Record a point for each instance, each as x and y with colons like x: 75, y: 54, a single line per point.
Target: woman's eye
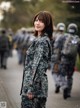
x: 39, y: 20
x: 36, y: 20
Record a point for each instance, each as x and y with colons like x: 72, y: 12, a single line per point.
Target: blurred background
x: 18, y: 13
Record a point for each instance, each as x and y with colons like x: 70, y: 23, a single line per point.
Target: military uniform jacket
x: 36, y: 64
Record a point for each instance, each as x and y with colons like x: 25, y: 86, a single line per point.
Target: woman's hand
x: 30, y: 95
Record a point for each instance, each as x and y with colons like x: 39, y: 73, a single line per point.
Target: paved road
x: 10, y: 83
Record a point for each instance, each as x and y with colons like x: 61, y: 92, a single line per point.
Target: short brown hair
x: 46, y: 18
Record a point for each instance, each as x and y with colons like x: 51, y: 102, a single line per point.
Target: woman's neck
x: 39, y: 34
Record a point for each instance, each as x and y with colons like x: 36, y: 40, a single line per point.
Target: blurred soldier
x: 56, y: 49
x: 10, y: 36
x: 60, y: 29
x: 68, y: 58
x: 22, y: 39
x: 4, y: 49
x: 28, y: 39
x: 19, y: 39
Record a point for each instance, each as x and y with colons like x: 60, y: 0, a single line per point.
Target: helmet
x: 72, y: 28
x: 61, y: 26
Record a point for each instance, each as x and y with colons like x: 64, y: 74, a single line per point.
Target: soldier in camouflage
x: 34, y: 89
x: 56, y: 55
x: 67, y: 63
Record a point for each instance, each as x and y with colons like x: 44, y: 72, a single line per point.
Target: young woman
x: 34, y: 89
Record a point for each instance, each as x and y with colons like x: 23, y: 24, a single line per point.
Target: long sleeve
x: 37, y: 57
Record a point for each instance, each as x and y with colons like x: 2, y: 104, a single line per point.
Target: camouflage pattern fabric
x: 34, y: 103
x: 36, y: 64
x: 67, y: 69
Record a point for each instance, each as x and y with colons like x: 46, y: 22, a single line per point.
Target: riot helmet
x: 72, y: 28
x: 61, y: 26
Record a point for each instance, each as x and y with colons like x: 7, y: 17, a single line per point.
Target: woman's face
x: 39, y: 25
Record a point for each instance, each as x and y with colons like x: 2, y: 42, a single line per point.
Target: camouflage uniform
x: 56, y: 56
x: 67, y: 65
x: 64, y: 76
x: 68, y: 61
x: 35, y: 78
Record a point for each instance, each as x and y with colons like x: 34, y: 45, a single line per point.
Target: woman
x: 35, y: 84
